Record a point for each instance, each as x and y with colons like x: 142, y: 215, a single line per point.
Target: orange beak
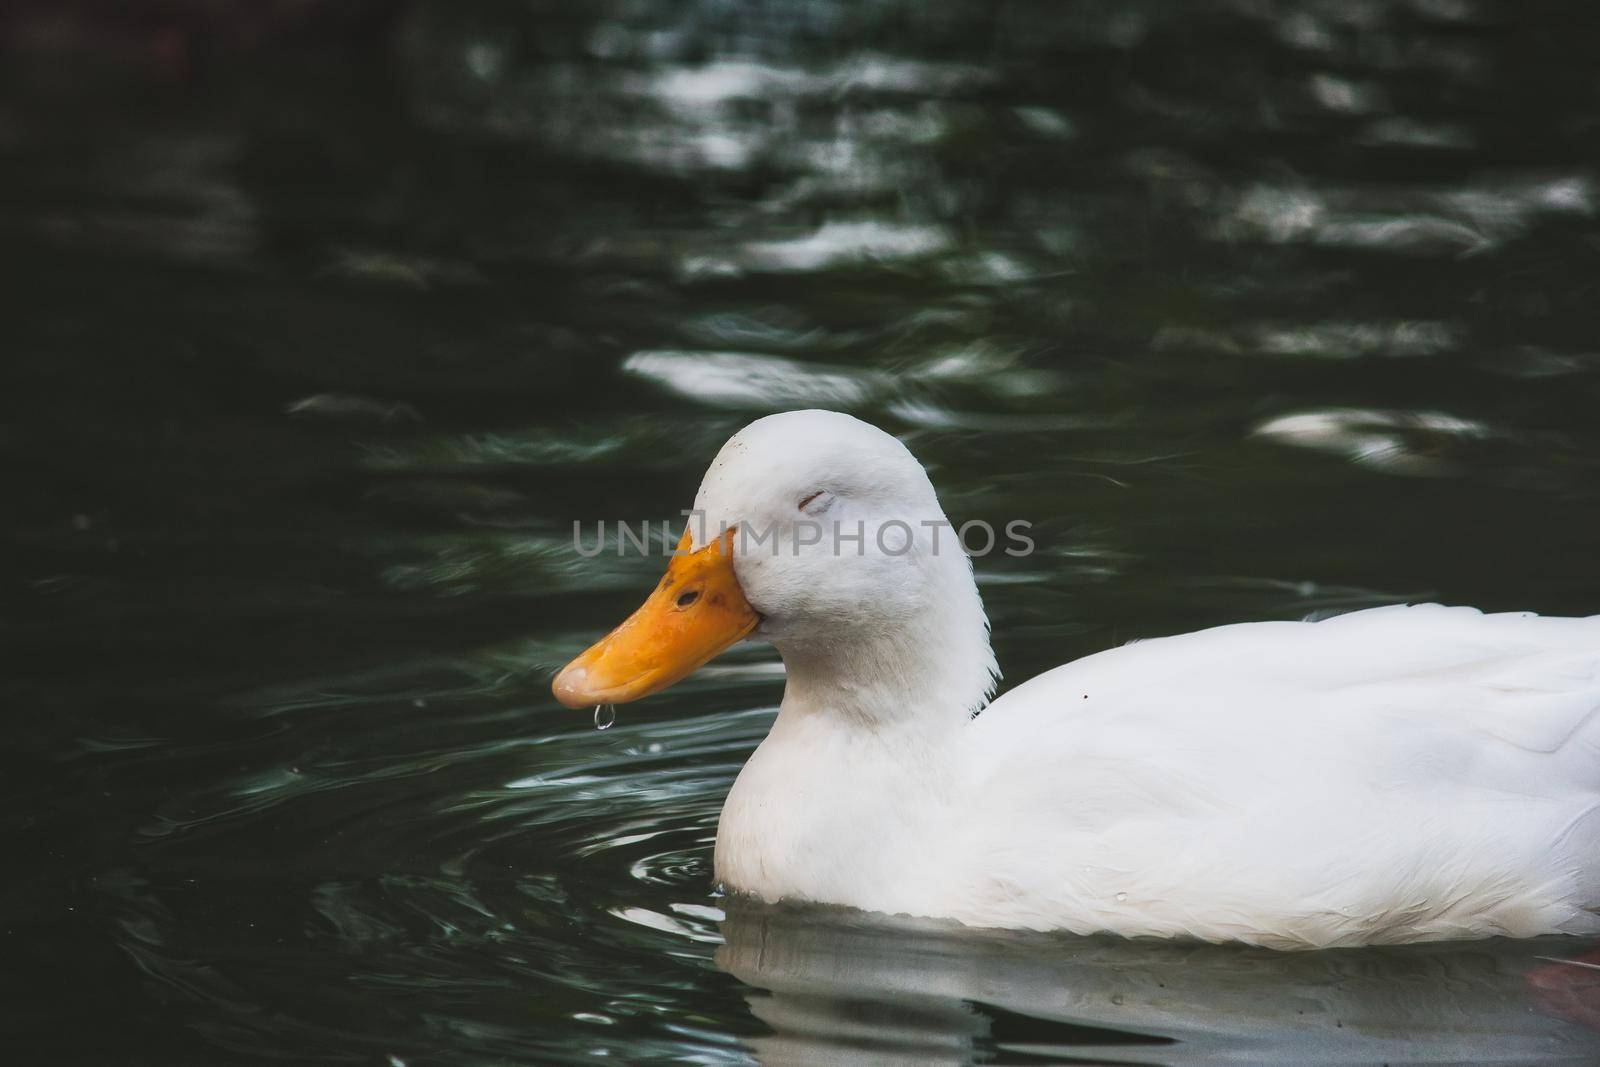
x: 697, y: 611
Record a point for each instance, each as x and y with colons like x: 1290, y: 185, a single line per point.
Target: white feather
x: 1397, y: 774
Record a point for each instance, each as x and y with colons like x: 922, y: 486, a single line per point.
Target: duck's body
x: 1396, y: 774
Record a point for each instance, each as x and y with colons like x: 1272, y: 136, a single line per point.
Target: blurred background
x: 326, y: 320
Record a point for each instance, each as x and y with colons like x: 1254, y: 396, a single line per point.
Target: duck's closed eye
x: 816, y: 503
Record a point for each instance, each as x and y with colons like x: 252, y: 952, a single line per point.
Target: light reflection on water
x: 840, y: 989
x: 1262, y: 311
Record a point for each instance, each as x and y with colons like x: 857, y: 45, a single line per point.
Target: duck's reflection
x: 846, y: 988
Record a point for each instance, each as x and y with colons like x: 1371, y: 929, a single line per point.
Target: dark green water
x: 319, y: 338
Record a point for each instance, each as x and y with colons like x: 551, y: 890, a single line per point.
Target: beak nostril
x: 688, y: 598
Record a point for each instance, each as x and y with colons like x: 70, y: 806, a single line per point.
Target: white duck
x: 1395, y: 774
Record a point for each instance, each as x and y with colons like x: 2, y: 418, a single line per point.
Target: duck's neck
x: 928, y: 671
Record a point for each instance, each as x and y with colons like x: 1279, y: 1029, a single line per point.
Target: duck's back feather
x: 1393, y: 774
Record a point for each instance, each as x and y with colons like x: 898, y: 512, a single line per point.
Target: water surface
x: 323, y: 333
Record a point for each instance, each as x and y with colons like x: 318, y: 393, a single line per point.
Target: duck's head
x: 822, y: 534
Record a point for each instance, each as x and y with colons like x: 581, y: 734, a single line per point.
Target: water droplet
x: 1121, y: 897
x: 604, y: 716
